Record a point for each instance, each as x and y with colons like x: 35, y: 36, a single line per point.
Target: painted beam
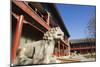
x: 83, y: 48
x: 31, y: 13
x: 26, y: 22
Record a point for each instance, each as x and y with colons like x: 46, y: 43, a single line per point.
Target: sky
x: 76, y: 18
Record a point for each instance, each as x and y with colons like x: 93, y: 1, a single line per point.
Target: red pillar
x: 63, y: 50
x: 16, y: 37
x: 59, y: 48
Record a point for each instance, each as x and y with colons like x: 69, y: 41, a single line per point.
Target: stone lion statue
x: 41, y: 51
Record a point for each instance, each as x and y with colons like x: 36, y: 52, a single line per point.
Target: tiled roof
x: 83, y: 40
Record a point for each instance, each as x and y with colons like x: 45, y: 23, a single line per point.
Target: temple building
x: 30, y: 20
x: 83, y: 46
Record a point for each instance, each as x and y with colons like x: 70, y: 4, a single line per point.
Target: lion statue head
x: 54, y: 33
